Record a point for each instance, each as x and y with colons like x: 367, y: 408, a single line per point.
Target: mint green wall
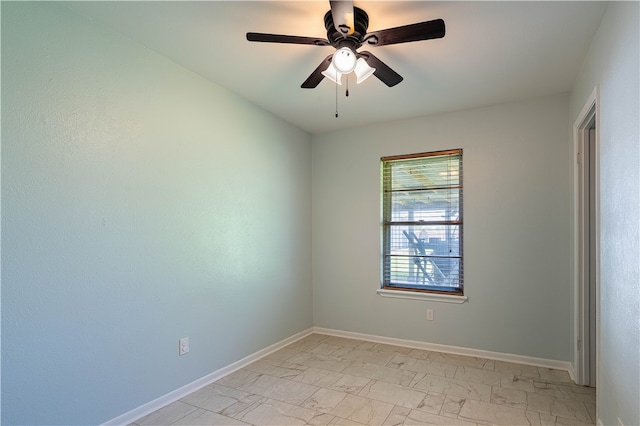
x: 613, y: 62
x: 517, y: 212
x: 140, y: 204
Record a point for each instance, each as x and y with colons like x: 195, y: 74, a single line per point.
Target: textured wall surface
x: 613, y: 63
x: 517, y: 212
x: 140, y: 204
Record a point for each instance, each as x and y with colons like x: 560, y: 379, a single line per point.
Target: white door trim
x: 590, y: 109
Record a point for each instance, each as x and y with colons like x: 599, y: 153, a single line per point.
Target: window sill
x: 416, y: 295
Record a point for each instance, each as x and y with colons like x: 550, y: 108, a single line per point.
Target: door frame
x: 590, y: 111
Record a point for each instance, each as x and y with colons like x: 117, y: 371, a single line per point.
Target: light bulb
x: 344, y: 60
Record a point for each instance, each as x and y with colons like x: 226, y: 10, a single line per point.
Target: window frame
x: 416, y: 291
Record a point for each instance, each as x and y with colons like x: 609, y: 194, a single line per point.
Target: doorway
x: 587, y: 243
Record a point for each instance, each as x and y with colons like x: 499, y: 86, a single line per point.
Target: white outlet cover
x: 183, y: 346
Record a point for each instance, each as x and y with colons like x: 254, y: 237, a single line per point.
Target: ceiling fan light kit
x: 345, y: 62
x: 346, y: 27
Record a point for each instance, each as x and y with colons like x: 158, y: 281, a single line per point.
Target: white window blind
x: 422, y: 222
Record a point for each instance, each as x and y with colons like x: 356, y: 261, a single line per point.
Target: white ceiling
x: 492, y: 52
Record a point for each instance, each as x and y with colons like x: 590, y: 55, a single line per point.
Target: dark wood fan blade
x: 343, y: 18
x: 383, y: 72
x: 316, y: 76
x: 414, y: 32
x: 279, y: 38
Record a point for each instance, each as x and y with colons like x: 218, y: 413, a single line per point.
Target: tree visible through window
x: 422, y: 222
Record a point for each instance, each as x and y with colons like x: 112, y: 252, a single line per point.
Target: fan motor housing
x: 353, y: 41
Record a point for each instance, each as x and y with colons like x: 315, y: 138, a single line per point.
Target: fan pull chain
x: 347, y: 92
x: 336, y: 100
x: 336, y: 93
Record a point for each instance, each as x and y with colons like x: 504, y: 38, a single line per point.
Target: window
x: 422, y: 222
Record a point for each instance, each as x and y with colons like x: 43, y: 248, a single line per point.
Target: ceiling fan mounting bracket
x: 353, y: 41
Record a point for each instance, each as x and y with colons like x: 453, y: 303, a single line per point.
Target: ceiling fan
x: 347, y: 31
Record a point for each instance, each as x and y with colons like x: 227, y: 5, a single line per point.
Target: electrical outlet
x: 183, y: 346
x: 429, y: 314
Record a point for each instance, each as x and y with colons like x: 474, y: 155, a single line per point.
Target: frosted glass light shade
x: 363, y: 70
x: 344, y: 60
x: 333, y: 74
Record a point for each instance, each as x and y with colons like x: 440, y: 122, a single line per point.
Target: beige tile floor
x: 327, y: 380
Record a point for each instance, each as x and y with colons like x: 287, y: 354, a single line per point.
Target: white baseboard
x: 457, y: 350
x: 572, y: 372
x: 173, y: 396
x: 156, y: 404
